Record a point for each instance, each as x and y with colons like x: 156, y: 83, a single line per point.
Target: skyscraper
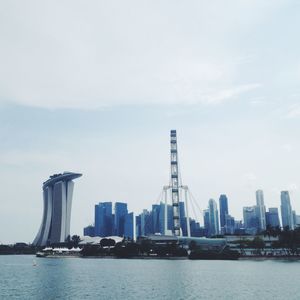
x: 103, y: 219
x: 251, y: 221
x: 129, y: 225
x: 261, y: 210
x: 183, y: 221
x: 223, y: 203
x: 272, y: 217
x: 206, y: 222
x: 57, y: 192
x: 138, y: 229
x: 120, y: 214
x: 146, y: 223
x: 213, y: 218
x: 162, y: 218
x: 286, y: 210
x: 170, y: 218
x: 229, y: 224
x: 155, y: 218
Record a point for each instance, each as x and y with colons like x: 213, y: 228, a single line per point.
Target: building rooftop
x: 65, y: 176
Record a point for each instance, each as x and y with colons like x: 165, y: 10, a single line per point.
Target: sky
x: 95, y: 87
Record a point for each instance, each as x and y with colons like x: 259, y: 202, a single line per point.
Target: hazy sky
x: 95, y: 86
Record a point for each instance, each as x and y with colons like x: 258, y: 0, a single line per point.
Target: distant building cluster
x: 120, y: 222
x: 216, y: 221
x: 108, y: 222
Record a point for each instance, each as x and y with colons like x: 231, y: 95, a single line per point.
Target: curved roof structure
x: 66, y: 176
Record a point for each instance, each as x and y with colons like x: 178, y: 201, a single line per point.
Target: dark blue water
x: 76, y: 278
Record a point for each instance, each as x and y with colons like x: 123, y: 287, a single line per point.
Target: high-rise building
x: 213, y: 218
x: 129, y: 225
x: 183, y: 221
x: 162, y: 218
x: 206, y: 222
x: 103, y: 219
x: 138, y: 225
x: 196, y: 230
x: 229, y: 227
x: 261, y: 210
x: 294, y: 218
x: 155, y: 218
x: 223, y: 203
x: 251, y: 222
x: 89, y: 231
x: 146, y: 223
x: 170, y: 218
x: 272, y: 217
x: 120, y: 214
x: 57, y: 192
x: 286, y: 210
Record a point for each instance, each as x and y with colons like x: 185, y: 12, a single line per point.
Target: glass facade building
x: 103, y: 219
x: 286, y: 210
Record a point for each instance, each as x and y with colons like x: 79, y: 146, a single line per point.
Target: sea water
x: 28, y: 277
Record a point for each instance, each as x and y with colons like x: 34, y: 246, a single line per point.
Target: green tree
x: 76, y: 239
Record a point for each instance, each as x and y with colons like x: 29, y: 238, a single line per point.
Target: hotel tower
x: 57, y: 193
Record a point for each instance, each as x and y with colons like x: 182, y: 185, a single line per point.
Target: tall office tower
x: 155, y: 218
x: 138, y: 228
x: 213, y: 217
x: 229, y: 224
x: 57, y: 192
x: 129, y: 226
x: 272, y: 217
x: 261, y: 210
x: 170, y: 220
x: 175, y: 183
x: 103, y: 219
x: 120, y: 214
x: 196, y: 230
x: 238, y: 227
x: 286, y: 210
x: 183, y: 220
x: 206, y: 222
x: 223, y: 202
x: 162, y: 219
x: 146, y: 223
x: 251, y: 222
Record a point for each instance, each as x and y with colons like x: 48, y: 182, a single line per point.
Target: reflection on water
x: 75, y: 278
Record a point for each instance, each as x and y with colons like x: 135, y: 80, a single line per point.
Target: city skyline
x: 98, y: 95
x: 256, y: 219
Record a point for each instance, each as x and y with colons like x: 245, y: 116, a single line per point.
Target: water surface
x: 76, y: 278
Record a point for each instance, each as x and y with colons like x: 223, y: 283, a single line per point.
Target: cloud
x: 292, y: 187
x: 106, y: 54
x: 293, y: 112
x: 287, y: 147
